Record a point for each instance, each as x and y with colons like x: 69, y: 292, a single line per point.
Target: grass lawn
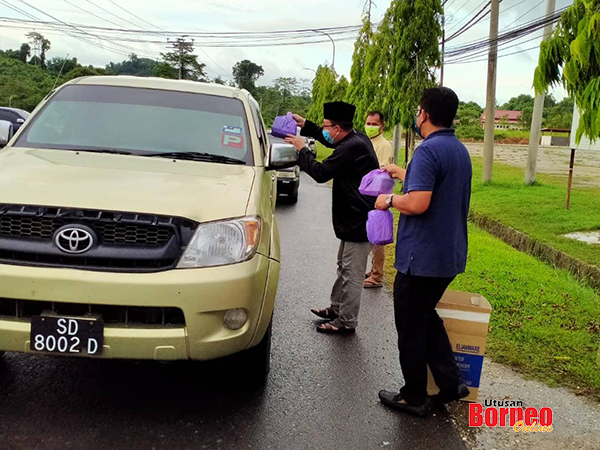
x: 539, y: 210
x: 544, y: 323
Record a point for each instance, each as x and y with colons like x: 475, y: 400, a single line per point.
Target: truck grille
x: 130, y: 316
x: 125, y: 241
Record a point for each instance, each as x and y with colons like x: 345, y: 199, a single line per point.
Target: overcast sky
x: 515, y: 73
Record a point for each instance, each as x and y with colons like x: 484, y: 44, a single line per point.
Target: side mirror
x: 282, y: 156
x: 6, y: 132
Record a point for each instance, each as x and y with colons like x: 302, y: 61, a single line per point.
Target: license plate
x: 67, y: 335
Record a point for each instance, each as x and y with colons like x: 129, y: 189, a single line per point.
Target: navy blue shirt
x: 434, y: 244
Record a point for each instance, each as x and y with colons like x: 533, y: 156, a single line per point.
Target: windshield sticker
x: 232, y: 130
x: 232, y: 140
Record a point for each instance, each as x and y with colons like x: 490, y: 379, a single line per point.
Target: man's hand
x: 299, y: 120
x: 395, y: 172
x: 297, y: 141
x: 381, y: 203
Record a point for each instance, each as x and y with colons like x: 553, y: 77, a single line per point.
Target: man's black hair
x: 377, y: 113
x: 441, y: 103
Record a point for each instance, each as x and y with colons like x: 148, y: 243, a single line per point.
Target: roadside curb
x: 584, y: 272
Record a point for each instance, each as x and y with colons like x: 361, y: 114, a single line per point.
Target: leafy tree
x: 341, y: 89
x: 40, y: 43
x: 24, y: 52
x: 165, y: 70
x: 358, y: 85
x: 246, y: 73
x: 143, y: 67
x: 219, y: 80
x: 55, y: 65
x: 288, y: 88
x: 183, y: 59
x: 323, y: 91
x: 82, y: 71
x: 574, y: 47
x: 560, y: 115
x: 26, y: 84
x: 526, y: 117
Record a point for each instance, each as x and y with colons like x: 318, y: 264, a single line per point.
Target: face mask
x: 418, y: 128
x: 372, y: 131
x: 327, y: 137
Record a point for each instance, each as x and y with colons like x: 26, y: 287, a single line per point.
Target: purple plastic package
x: 376, y: 182
x: 380, y: 227
x: 284, y: 125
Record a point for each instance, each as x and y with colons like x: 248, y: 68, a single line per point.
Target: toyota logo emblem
x: 74, y: 239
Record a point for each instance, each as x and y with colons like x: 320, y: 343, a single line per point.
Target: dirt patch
x: 551, y: 160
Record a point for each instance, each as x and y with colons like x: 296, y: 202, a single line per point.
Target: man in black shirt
x: 351, y: 160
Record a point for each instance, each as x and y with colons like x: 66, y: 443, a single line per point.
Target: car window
x: 8, y: 115
x: 140, y: 121
x: 260, y: 129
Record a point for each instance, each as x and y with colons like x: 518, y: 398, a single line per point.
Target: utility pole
x: 538, y: 112
x: 490, y: 107
x: 443, y: 47
x: 179, y: 45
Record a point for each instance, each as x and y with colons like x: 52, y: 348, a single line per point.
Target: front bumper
x: 204, y: 295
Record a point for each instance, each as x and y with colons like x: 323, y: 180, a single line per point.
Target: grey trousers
x: 348, y: 288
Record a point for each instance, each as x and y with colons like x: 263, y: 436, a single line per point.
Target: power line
x: 468, y: 15
x: 112, y: 14
x: 471, y: 23
x: 91, y: 13
x: 500, y: 56
x: 523, y: 15
x: 67, y: 25
x: 136, y: 16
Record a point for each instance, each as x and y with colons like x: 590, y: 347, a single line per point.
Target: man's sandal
x: 330, y: 328
x: 327, y: 313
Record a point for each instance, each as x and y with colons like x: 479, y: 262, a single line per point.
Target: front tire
x: 256, y: 362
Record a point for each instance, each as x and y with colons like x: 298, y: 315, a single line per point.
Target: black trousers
x: 422, y: 338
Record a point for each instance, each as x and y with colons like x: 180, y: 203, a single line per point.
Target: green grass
x: 539, y: 210
x: 544, y: 323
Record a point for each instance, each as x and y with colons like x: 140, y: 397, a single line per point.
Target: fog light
x: 235, y: 319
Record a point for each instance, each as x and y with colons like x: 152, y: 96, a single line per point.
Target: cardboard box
x: 466, y: 317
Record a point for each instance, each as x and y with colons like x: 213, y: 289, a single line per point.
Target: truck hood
x: 200, y: 191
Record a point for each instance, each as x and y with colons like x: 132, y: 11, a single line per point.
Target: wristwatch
x: 389, y: 200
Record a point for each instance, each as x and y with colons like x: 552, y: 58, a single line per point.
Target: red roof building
x: 505, y: 119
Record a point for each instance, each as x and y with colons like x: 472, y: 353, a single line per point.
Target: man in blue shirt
x: 431, y: 249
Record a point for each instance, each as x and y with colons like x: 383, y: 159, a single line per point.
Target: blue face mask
x: 417, y: 128
x: 327, y: 137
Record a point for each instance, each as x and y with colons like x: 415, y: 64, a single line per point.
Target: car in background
x: 126, y: 233
x: 288, y: 179
x: 15, y: 116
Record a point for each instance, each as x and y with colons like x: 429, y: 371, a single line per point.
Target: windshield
x: 140, y: 121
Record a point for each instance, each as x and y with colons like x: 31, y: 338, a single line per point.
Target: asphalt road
x: 322, y: 391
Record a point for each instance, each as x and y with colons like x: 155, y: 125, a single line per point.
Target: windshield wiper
x: 197, y: 156
x: 104, y: 150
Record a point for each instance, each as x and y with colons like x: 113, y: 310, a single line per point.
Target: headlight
x: 221, y: 243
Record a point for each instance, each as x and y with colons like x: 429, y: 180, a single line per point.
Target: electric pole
x: 180, y: 45
x: 538, y: 112
x: 490, y: 106
x: 443, y: 47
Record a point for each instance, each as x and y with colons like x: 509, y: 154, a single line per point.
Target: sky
x: 514, y: 76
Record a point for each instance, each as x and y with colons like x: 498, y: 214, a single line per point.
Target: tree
x: 165, y: 70
x: 24, y: 52
x: 560, y: 115
x: 55, y: 65
x: 323, y: 90
x: 246, y: 73
x: 83, y: 71
x: 288, y: 88
x: 41, y: 44
x: 183, y: 59
x: 356, y: 89
x: 526, y: 117
x: 219, y: 80
x: 574, y: 47
x: 143, y: 67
